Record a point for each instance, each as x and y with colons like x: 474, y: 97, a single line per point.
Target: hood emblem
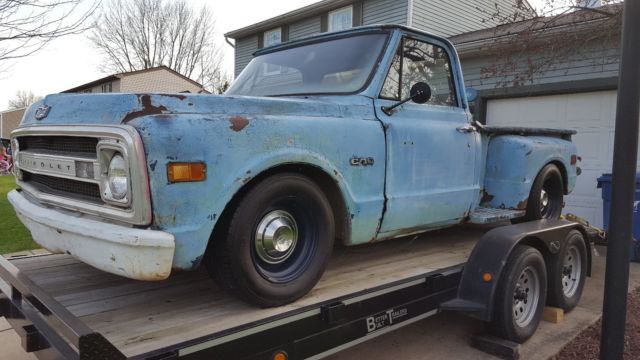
x: 42, y: 112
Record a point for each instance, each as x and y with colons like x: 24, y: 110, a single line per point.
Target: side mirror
x: 420, y: 93
x: 471, y: 93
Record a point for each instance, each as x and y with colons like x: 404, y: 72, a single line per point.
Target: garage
x: 592, y: 114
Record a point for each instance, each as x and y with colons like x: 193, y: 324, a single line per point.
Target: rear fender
x: 514, y: 161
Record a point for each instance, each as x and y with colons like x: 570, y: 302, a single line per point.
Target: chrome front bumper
x: 134, y: 253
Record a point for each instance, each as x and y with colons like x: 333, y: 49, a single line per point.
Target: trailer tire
x: 567, y: 272
x: 546, y: 197
x: 520, y: 295
x: 278, y: 241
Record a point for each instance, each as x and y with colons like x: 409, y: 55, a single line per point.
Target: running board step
x: 484, y: 215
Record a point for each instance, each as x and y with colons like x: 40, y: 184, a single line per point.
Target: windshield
x: 334, y: 66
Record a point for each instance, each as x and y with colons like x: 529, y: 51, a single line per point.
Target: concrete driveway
x: 444, y: 336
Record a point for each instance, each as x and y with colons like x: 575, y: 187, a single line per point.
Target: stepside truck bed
x: 63, y: 308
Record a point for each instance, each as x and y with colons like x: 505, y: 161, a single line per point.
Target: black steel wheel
x: 278, y: 241
x: 546, y: 197
x: 520, y: 295
x: 567, y: 272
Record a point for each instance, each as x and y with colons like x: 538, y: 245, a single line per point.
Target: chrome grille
x: 63, y: 187
x: 59, y: 166
x: 76, y: 145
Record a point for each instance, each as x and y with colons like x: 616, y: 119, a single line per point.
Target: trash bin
x: 604, y: 182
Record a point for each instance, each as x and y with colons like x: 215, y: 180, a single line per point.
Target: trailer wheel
x: 567, y: 272
x: 545, y: 199
x: 279, y: 239
x: 520, y: 295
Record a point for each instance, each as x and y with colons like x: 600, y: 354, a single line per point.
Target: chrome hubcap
x: 276, y: 237
x: 571, y: 271
x: 526, y: 296
x: 544, y: 201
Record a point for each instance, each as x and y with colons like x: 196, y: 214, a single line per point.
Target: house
x: 157, y: 79
x: 444, y: 18
x: 577, y: 90
x: 9, y: 120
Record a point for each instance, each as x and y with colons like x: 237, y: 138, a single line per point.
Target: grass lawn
x: 13, y: 235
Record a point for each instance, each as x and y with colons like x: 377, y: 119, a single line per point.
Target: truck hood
x: 120, y: 108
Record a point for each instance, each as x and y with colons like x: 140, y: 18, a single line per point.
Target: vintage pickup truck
x: 356, y: 136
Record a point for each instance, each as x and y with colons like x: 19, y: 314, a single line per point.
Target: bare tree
x: 23, y: 99
x: 140, y: 34
x: 530, y: 42
x: 26, y: 26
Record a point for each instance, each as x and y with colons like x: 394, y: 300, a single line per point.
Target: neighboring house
x: 159, y: 79
x: 440, y: 17
x: 156, y: 79
x: 577, y: 91
x: 9, y: 120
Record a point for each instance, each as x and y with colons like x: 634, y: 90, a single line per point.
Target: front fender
x: 514, y: 161
x: 238, y: 148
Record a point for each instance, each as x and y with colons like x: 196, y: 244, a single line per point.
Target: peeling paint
x: 522, y: 205
x: 147, y: 109
x: 177, y: 96
x: 153, y: 164
x: 238, y: 123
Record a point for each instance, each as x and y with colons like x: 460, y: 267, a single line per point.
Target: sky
x: 72, y: 60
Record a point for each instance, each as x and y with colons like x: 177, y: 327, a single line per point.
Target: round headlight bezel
x: 118, y: 177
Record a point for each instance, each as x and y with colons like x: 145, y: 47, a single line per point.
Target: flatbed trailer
x: 62, y: 308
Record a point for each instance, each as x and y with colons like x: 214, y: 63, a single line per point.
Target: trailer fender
x: 484, y: 268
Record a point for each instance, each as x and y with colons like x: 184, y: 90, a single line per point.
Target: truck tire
x: 546, y: 197
x: 277, y: 243
x: 567, y: 272
x: 520, y: 295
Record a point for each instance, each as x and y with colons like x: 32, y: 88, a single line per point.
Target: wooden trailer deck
x: 138, y: 317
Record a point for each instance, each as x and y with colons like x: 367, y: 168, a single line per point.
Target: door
x: 432, y: 175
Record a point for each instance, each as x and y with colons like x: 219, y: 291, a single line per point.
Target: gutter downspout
x: 226, y: 39
x: 410, y: 13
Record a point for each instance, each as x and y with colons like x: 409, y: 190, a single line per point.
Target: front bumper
x: 134, y: 253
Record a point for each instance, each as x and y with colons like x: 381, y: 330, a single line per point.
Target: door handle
x: 467, y: 129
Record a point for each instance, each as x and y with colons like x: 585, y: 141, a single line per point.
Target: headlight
x: 117, y: 177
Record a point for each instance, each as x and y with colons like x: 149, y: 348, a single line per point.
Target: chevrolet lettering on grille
x: 39, y: 164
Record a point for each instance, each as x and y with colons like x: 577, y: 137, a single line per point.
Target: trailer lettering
x: 385, y: 319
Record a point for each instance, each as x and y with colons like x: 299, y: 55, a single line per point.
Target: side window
x: 420, y: 61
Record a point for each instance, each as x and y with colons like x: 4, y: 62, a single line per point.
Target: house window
x: 341, y: 19
x: 108, y: 87
x: 272, y: 37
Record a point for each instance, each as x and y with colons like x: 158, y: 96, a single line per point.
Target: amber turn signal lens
x: 183, y: 172
x: 486, y: 277
x: 280, y: 355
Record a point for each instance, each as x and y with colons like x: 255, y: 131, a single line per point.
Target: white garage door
x: 592, y: 115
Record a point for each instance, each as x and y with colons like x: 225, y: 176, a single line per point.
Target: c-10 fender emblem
x: 361, y: 161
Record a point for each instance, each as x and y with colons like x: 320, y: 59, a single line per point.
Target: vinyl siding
x: 592, y: 62
x: 384, y: 12
x: 245, y: 48
x: 435, y: 16
x: 303, y: 28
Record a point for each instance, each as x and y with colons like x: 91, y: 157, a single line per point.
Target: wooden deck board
x: 138, y: 316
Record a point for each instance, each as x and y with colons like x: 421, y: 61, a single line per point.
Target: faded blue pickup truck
x: 356, y: 136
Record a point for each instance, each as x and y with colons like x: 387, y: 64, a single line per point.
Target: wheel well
x: 321, y: 178
x: 563, y: 173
